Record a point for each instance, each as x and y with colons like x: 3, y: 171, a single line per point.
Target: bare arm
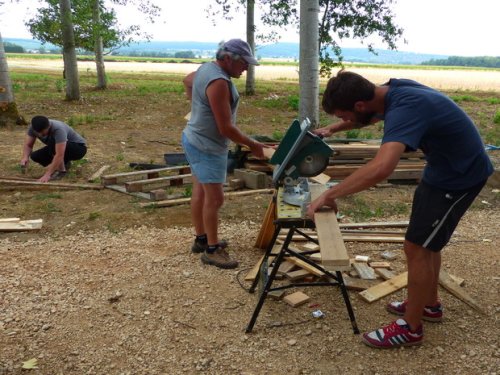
x: 219, y: 99
x: 56, y: 162
x: 376, y: 170
x: 328, y: 130
x: 188, y: 85
x: 29, y: 142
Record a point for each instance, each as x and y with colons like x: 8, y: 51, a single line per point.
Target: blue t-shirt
x: 421, y: 117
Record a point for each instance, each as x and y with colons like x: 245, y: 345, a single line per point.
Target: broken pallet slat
x: 356, y: 284
x: 306, y: 266
x: 297, y: 275
x: 384, y: 273
x: 451, y: 286
x: 10, y: 220
x: 385, y: 288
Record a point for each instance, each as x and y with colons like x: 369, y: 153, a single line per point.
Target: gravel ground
x: 138, y: 302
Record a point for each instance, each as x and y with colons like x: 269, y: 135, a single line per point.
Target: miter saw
x: 300, y: 154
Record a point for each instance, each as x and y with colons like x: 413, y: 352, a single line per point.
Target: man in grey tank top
x: 212, y: 125
x: 62, y: 144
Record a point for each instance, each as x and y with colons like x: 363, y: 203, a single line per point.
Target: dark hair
x: 344, y: 90
x: 39, y: 123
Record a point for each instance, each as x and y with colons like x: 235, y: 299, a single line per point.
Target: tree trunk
x: 69, y: 52
x: 98, y: 46
x: 250, y: 83
x: 309, y: 61
x: 9, y: 114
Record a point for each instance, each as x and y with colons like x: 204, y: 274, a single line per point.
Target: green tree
x: 96, y: 27
x: 69, y: 51
x: 338, y: 20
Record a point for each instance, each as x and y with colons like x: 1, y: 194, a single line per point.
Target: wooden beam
x: 175, y: 202
x: 267, y: 228
x: 50, y: 185
x: 21, y: 226
x: 333, y: 251
x: 451, y: 286
x: 383, y: 289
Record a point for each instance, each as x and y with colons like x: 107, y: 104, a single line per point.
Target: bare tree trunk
x: 69, y: 52
x: 8, y: 109
x: 309, y: 61
x: 250, y: 82
x: 98, y: 46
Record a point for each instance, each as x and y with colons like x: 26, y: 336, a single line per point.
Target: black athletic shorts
x: 436, y: 212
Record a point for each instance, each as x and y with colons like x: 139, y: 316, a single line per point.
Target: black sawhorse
x: 294, y: 226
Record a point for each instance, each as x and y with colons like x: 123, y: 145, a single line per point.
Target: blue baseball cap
x: 241, y: 48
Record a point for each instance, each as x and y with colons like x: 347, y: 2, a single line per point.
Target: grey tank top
x: 201, y: 129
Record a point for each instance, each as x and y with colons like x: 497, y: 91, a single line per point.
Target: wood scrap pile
x: 371, y: 279
x: 15, y: 224
x: 349, y: 157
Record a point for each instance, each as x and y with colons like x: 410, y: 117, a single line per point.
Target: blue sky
x: 449, y: 27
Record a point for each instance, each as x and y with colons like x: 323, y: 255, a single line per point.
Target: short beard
x: 364, y: 118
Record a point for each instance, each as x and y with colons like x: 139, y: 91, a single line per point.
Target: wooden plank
x: 383, y: 224
x: 175, y: 202
x: 364, y: 271
x: 356, y: 284
x: 121, y: 189
x: 267, y: 228
x: 451, y: 286
x: 297, y: 275
x: 50, y: 184
x: 383, y: 289
x: 384, y: 273
x: 306, y: 266
x: 21, y: 226
x: 98, y: 173
x: 156, y: 183
x: 10, y: 220
x: 333, y: 251
x: 250, y: 276
x: 308, y: 246
x: 118, y: 178
x: 296, y: 299
x: 380, y: 265
x: 286, y: 267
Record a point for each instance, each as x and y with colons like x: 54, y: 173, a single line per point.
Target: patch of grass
x: 93, y: 216
x: 464, y: 98
x: 493, y: 100
x: 120, y: 157
x: 293, y: 102
x: 277, y: 135
x: 79, y: 119
x: 50, y: 207
x: 496, y: 117
x: 359, y: 134
x: 188, y: 191
x: 364, y: 210
x: 45, y: 196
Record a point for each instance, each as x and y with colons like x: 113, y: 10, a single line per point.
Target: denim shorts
x: 207, y: 168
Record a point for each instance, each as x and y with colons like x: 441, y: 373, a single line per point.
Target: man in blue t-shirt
x: 415, y: 116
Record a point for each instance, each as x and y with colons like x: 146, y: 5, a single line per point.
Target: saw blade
x: 312, y: 165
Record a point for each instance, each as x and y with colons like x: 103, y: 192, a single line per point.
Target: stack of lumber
x: 349, y: 157
x: 148, y: 184
x: 15, y: 224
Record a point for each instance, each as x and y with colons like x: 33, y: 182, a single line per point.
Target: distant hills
x: 277, y: 51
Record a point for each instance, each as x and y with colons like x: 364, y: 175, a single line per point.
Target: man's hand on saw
x: 257, y: 149
x: 321, y: 203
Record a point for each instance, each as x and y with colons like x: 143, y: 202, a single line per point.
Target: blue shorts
x: 207, y: 168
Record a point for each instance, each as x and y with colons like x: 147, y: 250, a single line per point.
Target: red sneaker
x: 431, y: 313
x: 394, y: 335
